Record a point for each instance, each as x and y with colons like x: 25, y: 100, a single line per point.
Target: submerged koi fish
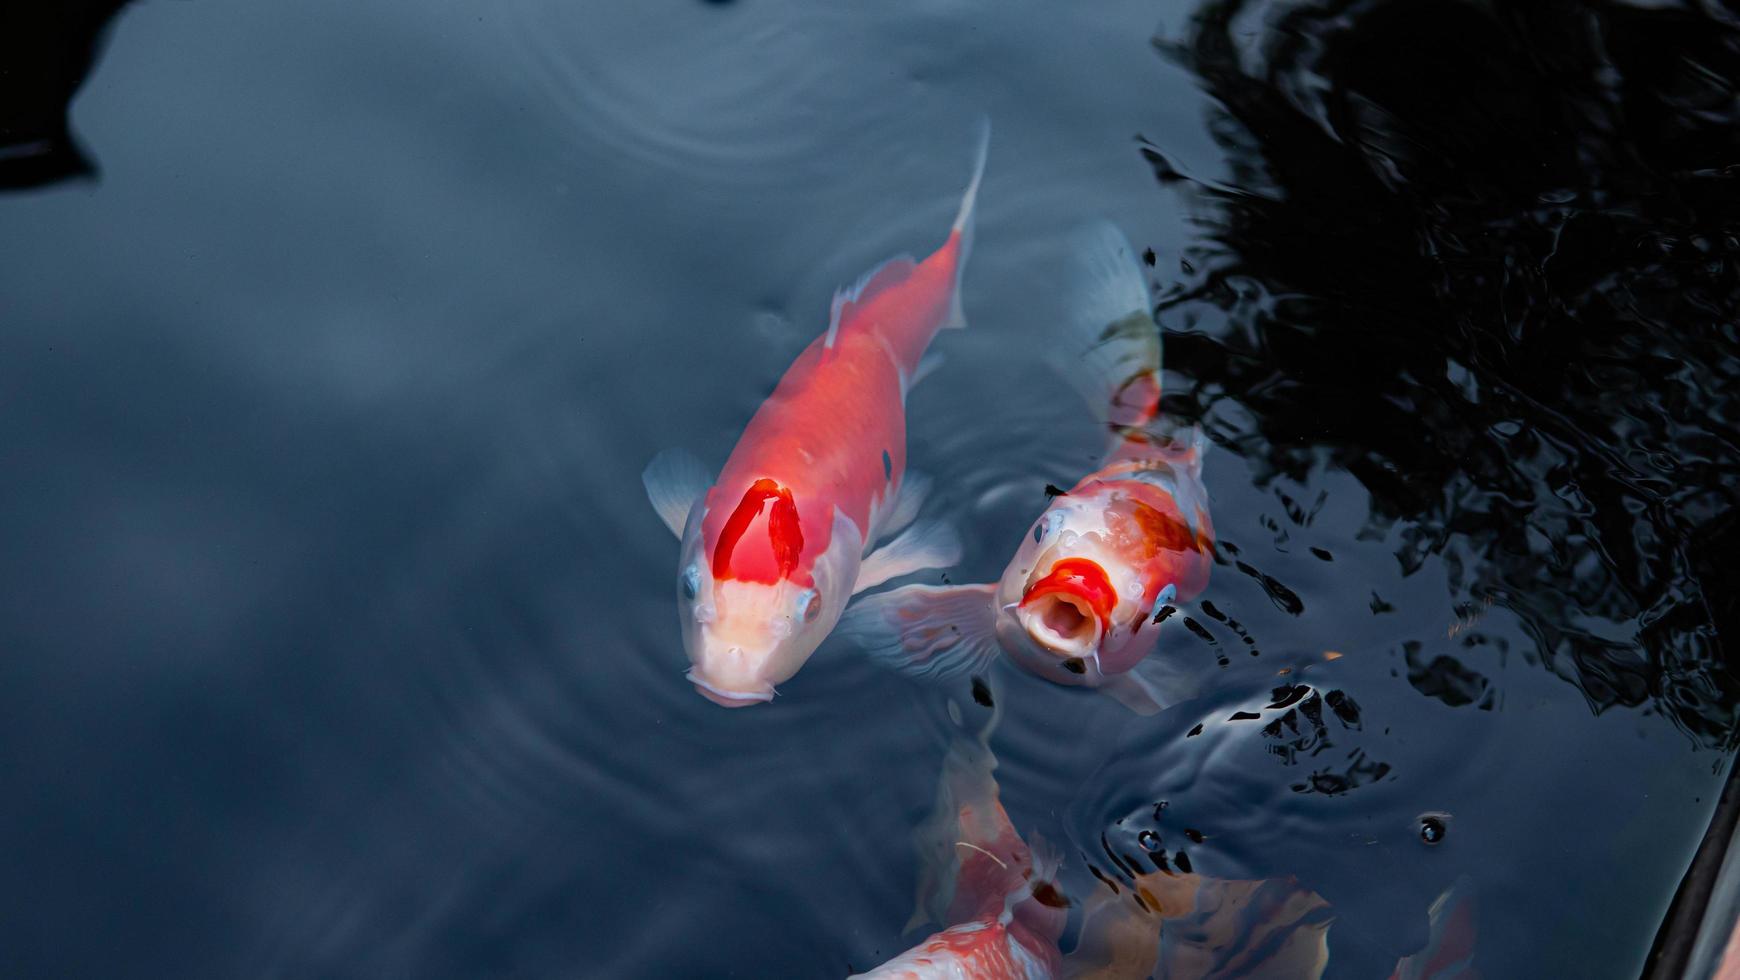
x: 995, y: 893
x: 1079, y: 604
x: 773, y: 549
x: 1178, y: 924
x: 1449, y: 950
x: 1004, y: 913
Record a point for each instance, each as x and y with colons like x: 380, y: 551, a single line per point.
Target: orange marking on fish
x: 1163, y: 532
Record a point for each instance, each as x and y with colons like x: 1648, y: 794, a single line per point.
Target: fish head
x: 1067, y: 602
x: 745, y: 636
x: 752, y: 636
x: 1070, y: 592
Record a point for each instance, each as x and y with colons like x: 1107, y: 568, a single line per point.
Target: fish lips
x: 1067, y: 611
x: 726, y: 697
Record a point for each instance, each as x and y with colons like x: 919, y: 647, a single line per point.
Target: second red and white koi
x: 1078, y: 603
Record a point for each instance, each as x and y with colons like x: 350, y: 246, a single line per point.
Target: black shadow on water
x: 1485, y: 258
x: 1482, y: 257
x: 47, y: 49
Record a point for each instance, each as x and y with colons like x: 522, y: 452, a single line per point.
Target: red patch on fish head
x: 1079, y: 578
x: 784, y: 533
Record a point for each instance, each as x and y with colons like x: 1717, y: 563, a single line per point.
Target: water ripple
x: 496, y: 664
x: 744, y: 103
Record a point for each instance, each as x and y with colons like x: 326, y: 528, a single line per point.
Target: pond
x: 340, y: 634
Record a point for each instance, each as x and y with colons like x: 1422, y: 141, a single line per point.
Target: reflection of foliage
x: 1302, y: 731
x: 46, y: 50
x: 1484, y: 257
x: 1448, y: 679
x: 1360, y: 770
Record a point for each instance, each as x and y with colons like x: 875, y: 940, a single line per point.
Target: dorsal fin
x: 877, y: 280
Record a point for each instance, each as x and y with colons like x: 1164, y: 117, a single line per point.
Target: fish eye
x: 1051, y: 523
x: 1166, y: 598
x: 809, y: 605
x: 690, y: 582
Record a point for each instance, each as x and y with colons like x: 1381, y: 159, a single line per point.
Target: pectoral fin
x: 926, y: 630
x: 914, y: 488
x: 927, y: 544
x: 674, y: 481
x: 1154, y: 684
x: 1130, y: 691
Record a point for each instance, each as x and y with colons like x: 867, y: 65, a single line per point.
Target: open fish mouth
x: 1062, y: 623
x: 1066, y: 612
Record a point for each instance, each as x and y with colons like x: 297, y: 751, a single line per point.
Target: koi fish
x: 1178, y: 924
x: 1081, y: 600
x: 775, y: 547
x: 1004, y: 913
x: 995, y: 893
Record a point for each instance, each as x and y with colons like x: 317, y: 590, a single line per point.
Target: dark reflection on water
x: 338, y: 636
x: 47, y: 50
x: 1487, y: 259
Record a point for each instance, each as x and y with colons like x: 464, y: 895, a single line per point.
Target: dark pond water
x: 338, y: 635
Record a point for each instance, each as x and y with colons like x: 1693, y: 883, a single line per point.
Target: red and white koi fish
x: 773, y: 549
x: 1079, y: 602
x: 996, y: 895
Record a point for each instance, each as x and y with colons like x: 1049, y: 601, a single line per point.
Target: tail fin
x: 964, y: 218
x: 1183, y: 450
x: 1112, y: 345
x: 963, y: 226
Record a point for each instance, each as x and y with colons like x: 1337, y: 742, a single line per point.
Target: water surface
x: 340, y: 640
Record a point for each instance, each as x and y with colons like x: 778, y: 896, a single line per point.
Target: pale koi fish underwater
x: 757, y: 488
